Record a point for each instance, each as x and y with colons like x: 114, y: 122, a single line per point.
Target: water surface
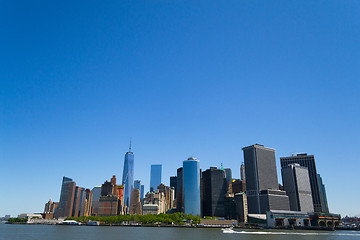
x: 58, y: 232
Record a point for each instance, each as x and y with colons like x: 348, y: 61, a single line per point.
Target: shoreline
x: 203, y: 227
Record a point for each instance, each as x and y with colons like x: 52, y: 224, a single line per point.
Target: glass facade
x: 137, y: 184
x: 155, y: 177
x: 128, y: 177
x: 191, y: 184
x: 142, y: 192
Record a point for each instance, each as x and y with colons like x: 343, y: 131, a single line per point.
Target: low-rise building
x: 277, y: 218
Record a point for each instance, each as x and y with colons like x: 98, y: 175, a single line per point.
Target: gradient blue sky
x: 182, y: 78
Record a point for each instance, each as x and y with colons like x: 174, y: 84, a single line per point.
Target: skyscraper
x: 65, y: 207
x: 135, y: 202
x: 324, y: 203
x: 261, y: 181
x: 214, y: 190
x: 155, y: 177
x: 180, y: 190
x: 128, y: 176
x: 173, y: 183
x: 96, y: 193
x: 228, y: 175
x: 297, y: 186
x: 142, y: 191
x: 307, y: 161
x: 191, y: 184
x: 137, y: 184
x: 242, y: 172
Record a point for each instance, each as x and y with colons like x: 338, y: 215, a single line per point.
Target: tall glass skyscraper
x: 191, y: 184
x: 155, y: 177
x: 128, y: 176
x: 142, y: 193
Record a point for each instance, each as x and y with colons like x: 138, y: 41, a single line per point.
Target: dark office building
x: 228, y: 175
x: 307, y: 161
x: 229, y: 207
x: 65, y: 207
x: 179, y: 191
x: 260, y: 173
x: 214, y: 190
x: 173, y: 183
x: 273, y: 199
x: 238, y: 186
x: 107, y: 189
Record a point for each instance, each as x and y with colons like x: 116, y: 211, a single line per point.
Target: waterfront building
x: 191, y: 185
x: 135, y: 202
x: 179, y: 191
x: 242, y: 172
x: 287, y: 219
x: 111, y: 199
x: 273, y: 199
x: 108, y: 206
x: 96, y: 193
x: 241, y: 207
x: 173, y: 183
x: 65, y: 207
x: 154, y: 203
x: 297, y: 186
x: 325, y: 207
x: 50, y: 207
x: 229, y: 206
x: 76, y: 203
x: 308, y: 161
x: 155, y: 177
x: 128, y: 176
x: 214, y: 190
x: 261, y: 176
x: 86, y: 209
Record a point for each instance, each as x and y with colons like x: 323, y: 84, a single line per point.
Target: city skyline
x: 201, y: 79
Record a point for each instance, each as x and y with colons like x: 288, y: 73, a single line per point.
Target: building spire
x: 130, y: 145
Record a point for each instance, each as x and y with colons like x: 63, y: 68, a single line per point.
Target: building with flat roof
x: 261, y: 177
x: 66, y: 202
x: 179, y: 191
x: 155, y: 176
x: 173, y: 183
x: 324, y: 203
x: 191, y: 184
x: 96, y: 192
x: 297, y: 186
x: 214, y: 190
x: 308, y: 161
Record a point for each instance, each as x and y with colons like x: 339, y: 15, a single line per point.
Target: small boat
x: 70, y: 222
x: 92, y: 223
x: 228, y: 230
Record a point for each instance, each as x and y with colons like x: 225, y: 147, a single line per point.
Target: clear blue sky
x: 182, y: 78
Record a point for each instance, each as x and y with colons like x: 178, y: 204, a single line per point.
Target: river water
x: 58, y: 232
